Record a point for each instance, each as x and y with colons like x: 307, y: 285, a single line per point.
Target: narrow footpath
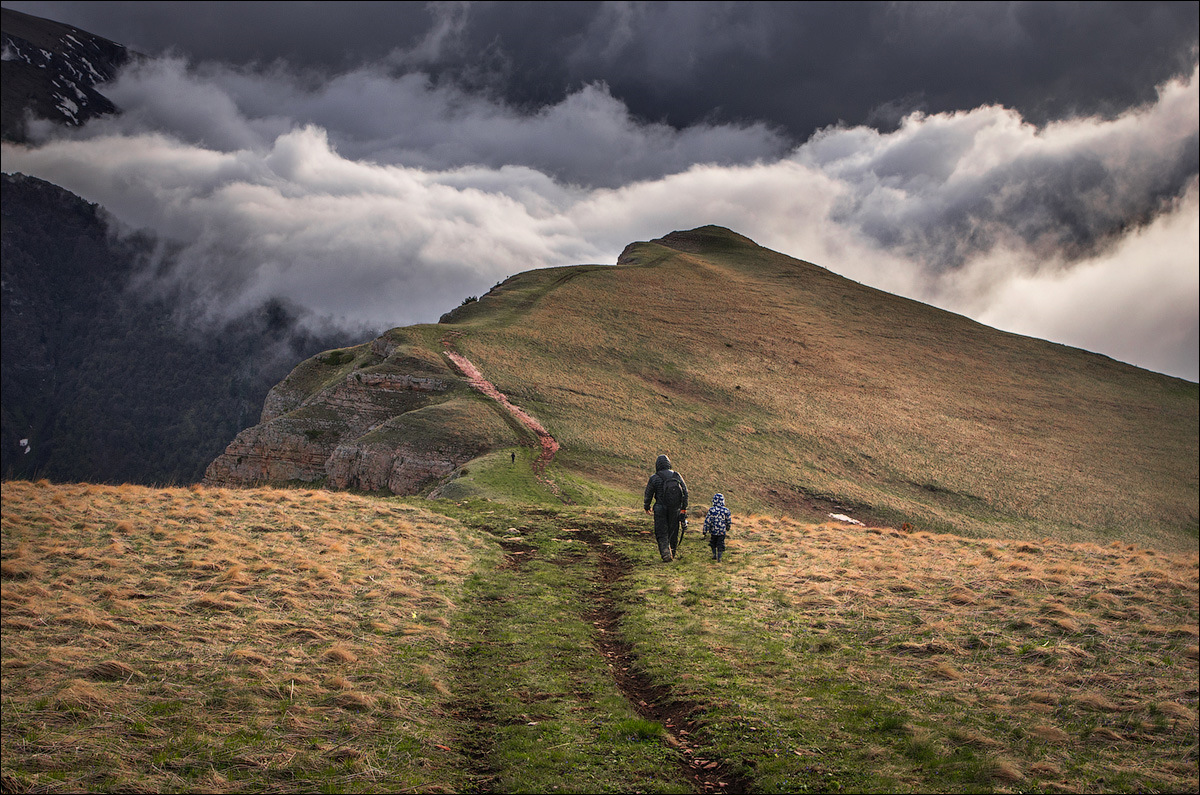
x: 547, y: 445
x: 525, y: 668
x: 703, y: 770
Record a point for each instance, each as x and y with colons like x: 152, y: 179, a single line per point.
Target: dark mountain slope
x: 51, y: 71
x: 101, y: 385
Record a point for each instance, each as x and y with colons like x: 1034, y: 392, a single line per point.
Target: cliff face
x: 385, y: 416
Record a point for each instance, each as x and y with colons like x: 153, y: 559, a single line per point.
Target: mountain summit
x: 770, y: 379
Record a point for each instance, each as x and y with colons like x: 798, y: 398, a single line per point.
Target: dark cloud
x: 1033, y: 166
x: 797, y: 66
x: 326, y: 36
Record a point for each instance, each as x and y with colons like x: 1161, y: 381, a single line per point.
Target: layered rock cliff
x: 389, y: 415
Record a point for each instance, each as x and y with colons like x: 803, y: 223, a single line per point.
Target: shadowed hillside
x: 792, y: 389
x: 106, y: 384
x: 106, y: 377
x: 52, y: 71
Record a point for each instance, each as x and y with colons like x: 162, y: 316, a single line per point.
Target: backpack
x: 672, y: 492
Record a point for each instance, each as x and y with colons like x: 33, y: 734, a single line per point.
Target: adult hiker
x: 670, y: 497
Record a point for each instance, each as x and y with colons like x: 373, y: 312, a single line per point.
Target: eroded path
x: 653, y: 702
x: 547, y: 445
x: 549, y: 682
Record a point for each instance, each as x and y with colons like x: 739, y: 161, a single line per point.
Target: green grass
x: 225, y: 640
x: 539, y: 711
x: 1020, y: 612
x: 794, y: 390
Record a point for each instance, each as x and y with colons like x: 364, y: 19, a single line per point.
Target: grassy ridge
x: 282, y: 640
x: 790, y: 388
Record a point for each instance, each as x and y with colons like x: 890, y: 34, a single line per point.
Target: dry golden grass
x: 153, y: 637
x: 1052, y: 645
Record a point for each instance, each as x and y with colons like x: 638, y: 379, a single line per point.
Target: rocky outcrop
x: 274, y: 452
x: 409, y: 452
x: 385, y: 416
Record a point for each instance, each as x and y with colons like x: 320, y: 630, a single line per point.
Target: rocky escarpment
x: 386, y: 416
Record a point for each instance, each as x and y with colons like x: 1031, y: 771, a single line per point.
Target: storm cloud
x: 384, y: 184
x: 797, y: 66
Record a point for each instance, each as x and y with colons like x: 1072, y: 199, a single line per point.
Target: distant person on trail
x: 716, y: 526
x: 670, y: 496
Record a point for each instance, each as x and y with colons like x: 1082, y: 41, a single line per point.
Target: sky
x: 1033, y: 166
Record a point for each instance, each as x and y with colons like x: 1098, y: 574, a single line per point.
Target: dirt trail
x: 653, y: 702
x: 547, y: 445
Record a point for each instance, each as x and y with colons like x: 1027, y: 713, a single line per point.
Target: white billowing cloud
x: 1082, y: 232
x: 589, y: 137
x: 1146, y: 288
x: 369, y: 243
x: 950, y: 187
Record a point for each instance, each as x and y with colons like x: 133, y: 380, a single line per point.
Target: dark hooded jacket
x: 654, y: 488
x: 717, y: 521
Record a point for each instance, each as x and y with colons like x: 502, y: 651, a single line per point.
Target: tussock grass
x: 268, y: 640
x: 225, y: 640
x: 965, y: 672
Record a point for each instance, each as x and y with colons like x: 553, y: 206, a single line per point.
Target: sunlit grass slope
x: 265, y: 640
x: 851, y: 659
x: 788, y: 387
x: 225, y: 640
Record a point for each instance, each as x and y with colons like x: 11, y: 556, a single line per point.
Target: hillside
x: 53, y: 71
x: 103, y: 384
x: 783, y: 385
x: 267, y: 640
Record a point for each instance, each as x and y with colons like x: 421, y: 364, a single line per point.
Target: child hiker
x: 716, y: 526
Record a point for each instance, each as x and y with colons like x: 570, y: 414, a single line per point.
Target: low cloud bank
x: 387, y: 200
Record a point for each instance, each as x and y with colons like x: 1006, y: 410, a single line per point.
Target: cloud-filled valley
x: 384, y: 197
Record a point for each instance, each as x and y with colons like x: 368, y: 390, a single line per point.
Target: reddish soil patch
x: 547, y: 445
x: 516, y: 554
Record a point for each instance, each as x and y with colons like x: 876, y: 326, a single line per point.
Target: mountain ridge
x: 793, y: 389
